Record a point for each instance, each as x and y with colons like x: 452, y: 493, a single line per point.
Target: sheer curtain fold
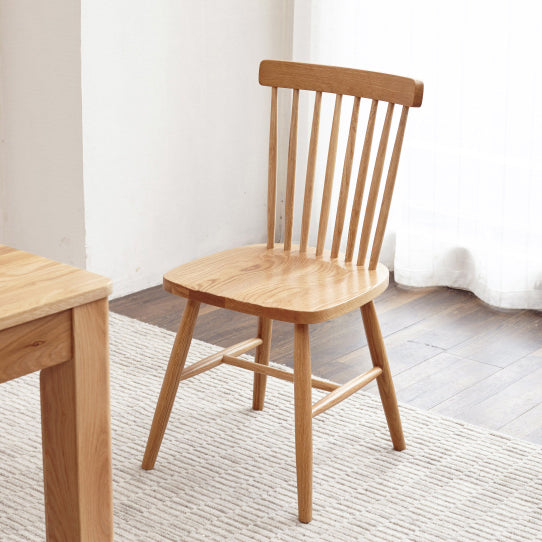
x: 468, y: 206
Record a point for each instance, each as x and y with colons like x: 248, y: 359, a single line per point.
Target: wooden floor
x: 448, y: 351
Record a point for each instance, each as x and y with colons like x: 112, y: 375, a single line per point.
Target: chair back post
x: 374, y: 86
x: 272, y: 172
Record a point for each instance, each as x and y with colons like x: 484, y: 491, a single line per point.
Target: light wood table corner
x: 54, y: 319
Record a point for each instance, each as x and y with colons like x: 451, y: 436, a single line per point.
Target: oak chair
x: 297, y: 283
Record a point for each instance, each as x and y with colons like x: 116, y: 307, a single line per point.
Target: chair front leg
x: 384, y: 381
x: 171, y: 383
x: 303, y: 420
x: 262, y: 356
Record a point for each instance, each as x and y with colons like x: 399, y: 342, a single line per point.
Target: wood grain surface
x: 290, y: 286
x: 378, y: 86
x: 32, y: 287
x: 171, y: 383
x: 303, y: 421
x: 76, y: 434
x: 35, y: 345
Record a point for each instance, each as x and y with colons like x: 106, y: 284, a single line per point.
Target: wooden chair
x: 299, y: 284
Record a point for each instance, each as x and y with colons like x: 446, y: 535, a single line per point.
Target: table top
x: 32, y: 287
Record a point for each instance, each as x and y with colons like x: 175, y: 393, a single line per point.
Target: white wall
x: 41, y: 175
x: 175, y: 130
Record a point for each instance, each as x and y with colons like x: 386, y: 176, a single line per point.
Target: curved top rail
x: 365, y: 84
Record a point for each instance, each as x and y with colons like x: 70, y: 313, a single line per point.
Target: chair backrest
x: 339, y: 81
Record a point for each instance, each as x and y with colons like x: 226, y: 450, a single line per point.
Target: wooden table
x: 53, y: 318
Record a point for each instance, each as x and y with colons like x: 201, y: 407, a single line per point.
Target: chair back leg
x: 171, y: 383
x: 384, y: 381
x: 303, y: 420
x: 262, y: 356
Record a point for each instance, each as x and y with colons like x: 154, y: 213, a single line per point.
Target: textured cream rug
x: 228, y: 473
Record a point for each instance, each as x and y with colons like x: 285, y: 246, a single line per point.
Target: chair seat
x: 272, y: 283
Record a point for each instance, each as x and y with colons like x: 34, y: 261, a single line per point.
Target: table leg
x: 76, y: 434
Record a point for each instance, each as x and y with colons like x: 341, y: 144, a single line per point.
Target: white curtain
x: 467, y: 211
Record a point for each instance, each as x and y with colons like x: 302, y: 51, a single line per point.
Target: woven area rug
x: 226, y: 473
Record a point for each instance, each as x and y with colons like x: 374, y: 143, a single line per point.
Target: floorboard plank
x: 433, y: 381
x: 467, y: 399
x: 528, y: 425
x: 517, y: 336
x: 505, y: 406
